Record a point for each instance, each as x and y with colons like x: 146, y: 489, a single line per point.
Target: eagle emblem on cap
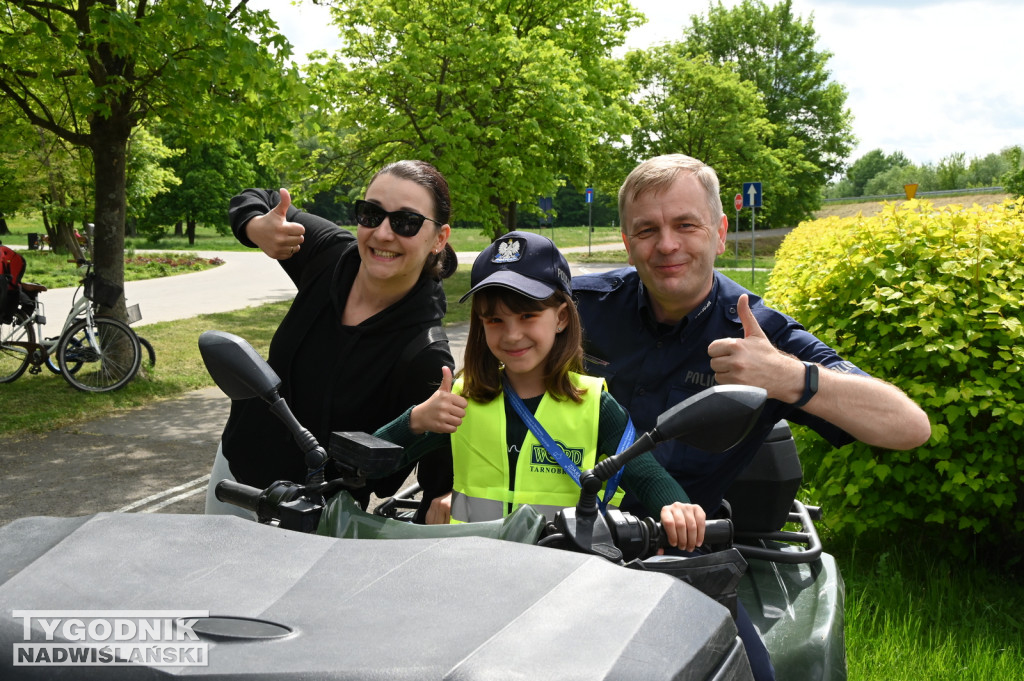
x: 508, y: 251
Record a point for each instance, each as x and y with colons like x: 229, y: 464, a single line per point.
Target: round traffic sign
x: 738, y: 201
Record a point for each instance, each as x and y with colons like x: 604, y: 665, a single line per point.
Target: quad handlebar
x: 713, y: 420
x: 299, y: 507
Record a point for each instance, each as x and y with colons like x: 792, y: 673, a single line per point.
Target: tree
x: 91, y: 71
x: 63, y: 196
x: 691, y: 106
x: 504, y: 96
x: 776, y: 51
x: 895, y: 179
x: 1013, y: 180
x: 688, y: 105
x: 869, y: 166
x: 146, y: 176
x: 209, y: 173
x: 571, y: 209
x: 19, y: 178
x: 988, y: 171
x: 952, y: 171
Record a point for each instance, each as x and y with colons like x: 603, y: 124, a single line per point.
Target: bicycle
x: 94, y: 353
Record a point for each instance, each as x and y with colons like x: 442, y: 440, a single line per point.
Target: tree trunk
x: 507, y: 215
x: 109, y: 138
x: 510, y: 217
x: 61, y: 232
x: 4, y: 229
x: 177, y: 229
x: 191, y: 231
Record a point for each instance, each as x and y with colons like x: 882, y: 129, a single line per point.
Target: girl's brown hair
x: 481, y: 375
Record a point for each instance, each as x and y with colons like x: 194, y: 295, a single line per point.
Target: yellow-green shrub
x: 929, y: 299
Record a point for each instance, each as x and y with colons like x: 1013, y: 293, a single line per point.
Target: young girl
x: 525, y: 345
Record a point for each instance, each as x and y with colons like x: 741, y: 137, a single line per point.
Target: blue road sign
x: 751, y: 194
x: 590, y: 195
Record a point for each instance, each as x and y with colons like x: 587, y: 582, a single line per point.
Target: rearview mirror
x: 715, y: 419
x: 236, y: 368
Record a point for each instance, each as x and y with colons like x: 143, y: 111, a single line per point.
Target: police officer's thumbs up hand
x: 750, y: 326
x: 753, y: 360
x: 273, y: 233
x: 442, y: 412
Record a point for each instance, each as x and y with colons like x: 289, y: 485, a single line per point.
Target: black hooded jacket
x: 334, y: 377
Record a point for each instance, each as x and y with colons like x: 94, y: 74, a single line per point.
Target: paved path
x: 155, y: 458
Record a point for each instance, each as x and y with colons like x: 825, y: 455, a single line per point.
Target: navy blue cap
x: 524, y: 262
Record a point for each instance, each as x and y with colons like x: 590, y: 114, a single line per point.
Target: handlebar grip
x: 237, y: 494
x: 718, y: 531
x: 715, y: 532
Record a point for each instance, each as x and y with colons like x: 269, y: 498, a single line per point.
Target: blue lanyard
x: 549, y: 444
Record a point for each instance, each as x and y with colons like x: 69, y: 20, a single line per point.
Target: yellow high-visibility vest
x: 481, y: 489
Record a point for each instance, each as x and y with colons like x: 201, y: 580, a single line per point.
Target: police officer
x: 671, y: 326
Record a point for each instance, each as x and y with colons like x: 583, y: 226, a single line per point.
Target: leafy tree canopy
x: 91, y: 71
x: 504, y: 97
x: 691, y: 106
x: 776, y: 51
x: 870, y: 165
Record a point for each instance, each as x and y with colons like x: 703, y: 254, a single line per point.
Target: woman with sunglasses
x: 359, y: 344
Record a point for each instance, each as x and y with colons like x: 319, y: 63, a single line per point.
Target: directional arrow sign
x: 751, y: 194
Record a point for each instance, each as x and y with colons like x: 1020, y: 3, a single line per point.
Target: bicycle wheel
x: 108, y: 353
x: 15, y: 339
x: 53, y: 364
x: 148, y: 347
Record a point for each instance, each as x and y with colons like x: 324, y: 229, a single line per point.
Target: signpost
x: 590, y: 216
x: 752, y: 197
x: 738, y: 202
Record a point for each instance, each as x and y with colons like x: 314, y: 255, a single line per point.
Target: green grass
x: 912, y: 614
x: 54, y: 271
x: 208, y: 239
x: 455, y: 287
x: 42, y: 402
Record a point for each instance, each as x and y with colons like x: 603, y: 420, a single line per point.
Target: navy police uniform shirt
x: 650, y: 367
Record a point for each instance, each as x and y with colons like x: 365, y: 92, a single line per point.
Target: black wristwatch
x: 810, y: 384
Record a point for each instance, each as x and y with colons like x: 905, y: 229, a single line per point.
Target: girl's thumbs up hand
x: 442, y: 412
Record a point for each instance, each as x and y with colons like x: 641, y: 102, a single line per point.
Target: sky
x: 928, y: 78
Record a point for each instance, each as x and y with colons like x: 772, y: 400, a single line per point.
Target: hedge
x: 929, y: 299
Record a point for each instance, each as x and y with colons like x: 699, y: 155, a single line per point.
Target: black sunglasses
x: 403, y: 222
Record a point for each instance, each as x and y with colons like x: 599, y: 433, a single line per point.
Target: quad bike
x: 399, y: 601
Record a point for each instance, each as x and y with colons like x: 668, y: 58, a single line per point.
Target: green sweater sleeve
x: 414, y: 447
x: 644, y: 477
